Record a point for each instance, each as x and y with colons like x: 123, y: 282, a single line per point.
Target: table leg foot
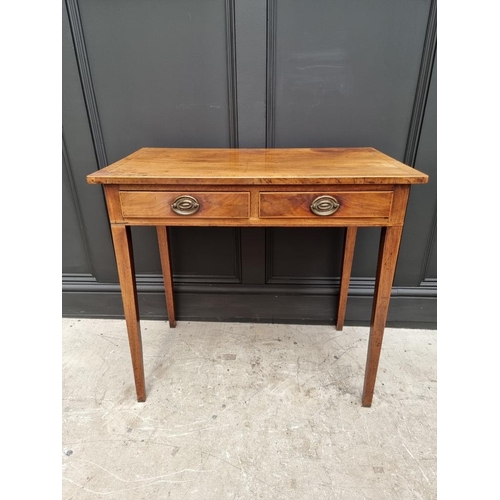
x: 388, y: 255
x: 122, y: 242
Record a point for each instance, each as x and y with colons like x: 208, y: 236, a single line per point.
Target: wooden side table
x: 330, y: 187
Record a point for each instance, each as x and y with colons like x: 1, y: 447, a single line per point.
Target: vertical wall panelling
x: 342, y: 74
x: 231, y: 74
x: 239, y: 73
x: 75, y: 251
x: 250, y: 27
x: 346, y: 72
x: 164, y: 75
x: 423, y: 84
x: 270, y: 72
x: 86, y: 81
x: 416, y: 247
x: 80, y: 159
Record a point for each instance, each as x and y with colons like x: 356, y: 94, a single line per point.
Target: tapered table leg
x: 167, y: 272
x: 388, y: 256
x: 349, y: 243
x: 122, y: 242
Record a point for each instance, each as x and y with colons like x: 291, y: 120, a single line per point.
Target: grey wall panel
x: 292, y: 257
x: 431, y: 269
x: 206, y: 254
x: 251, y: 65
x: 419, y: 224
x: 229, y: 73
x: 345, y: 75
x: 74, y: 254
x: 346, y: 72
x: 310, y: 255
x: 199, y: 254
x: 159, y: 72
x: 82, y: 161
x: 365, y: 252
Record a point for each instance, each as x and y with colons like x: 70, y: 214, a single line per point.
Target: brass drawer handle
x: 324, y: 205
x: 185, y: 205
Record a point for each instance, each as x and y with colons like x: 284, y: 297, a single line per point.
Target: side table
x: 327, y: 187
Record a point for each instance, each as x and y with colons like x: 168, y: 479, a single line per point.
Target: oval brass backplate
x: 324, y: 205
x: 185, y: 205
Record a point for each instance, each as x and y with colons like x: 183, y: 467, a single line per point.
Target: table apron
x: 262, y: 206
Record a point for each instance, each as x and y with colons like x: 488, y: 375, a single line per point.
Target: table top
x: 195, y: 166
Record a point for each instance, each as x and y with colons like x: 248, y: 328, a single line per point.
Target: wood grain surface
x: 158, y: 204
x: 257, y: 166
x: 352, y: 204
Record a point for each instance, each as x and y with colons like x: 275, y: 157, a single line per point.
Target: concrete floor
x: 247, y: 411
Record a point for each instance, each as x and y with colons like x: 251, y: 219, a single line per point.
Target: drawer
x: 198, y: 205
x: 337, y: 204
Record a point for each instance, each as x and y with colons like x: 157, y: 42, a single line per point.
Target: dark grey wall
x: 234, y: 73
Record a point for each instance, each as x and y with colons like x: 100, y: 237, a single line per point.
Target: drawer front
x: 338, y: 204
x: 197, y: 205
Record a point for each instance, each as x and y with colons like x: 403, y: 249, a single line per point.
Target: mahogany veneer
x: 348, y: 187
